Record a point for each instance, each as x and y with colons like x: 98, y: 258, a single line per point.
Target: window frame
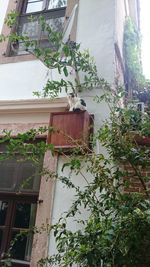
x: 25, y: 3
x: 19, y: 168
x: 45, y: 6
x: 14, y: 197
x: 5, y: 56
x: 4, y: 47
x: 8, y: 227
x: 53, y: 13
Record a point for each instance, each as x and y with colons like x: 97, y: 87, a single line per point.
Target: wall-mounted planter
x: 70, y: 129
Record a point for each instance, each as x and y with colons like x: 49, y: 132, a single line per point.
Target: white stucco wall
x: 95, y: 31
x: 19, y: 80
x: 3, y: 8
x: 120, y: 20
x: 63, y: 196
x: 63, y: 199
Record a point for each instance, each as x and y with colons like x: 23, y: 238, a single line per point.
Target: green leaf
x: 65, y: 71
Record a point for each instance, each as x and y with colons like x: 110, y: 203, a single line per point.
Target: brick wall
x: 132, y: 182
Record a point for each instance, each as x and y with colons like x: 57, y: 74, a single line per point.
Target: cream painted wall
x: 19, y: 80
x: 63, y: 199
x: 120, y: 20
x: 95, y: 31
x: 3, y: 8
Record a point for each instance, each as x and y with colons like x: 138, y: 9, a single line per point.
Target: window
x: 19, y: 189
x: 57, y: 4
x: 17, y: 215
x: 28, y: 24
x: 31, y: 6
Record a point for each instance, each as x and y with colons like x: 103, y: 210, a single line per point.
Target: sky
x: 145, y: 31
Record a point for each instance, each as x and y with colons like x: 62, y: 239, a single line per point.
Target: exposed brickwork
x: 132, y: 182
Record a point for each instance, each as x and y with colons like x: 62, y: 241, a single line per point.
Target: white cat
x: 75, y: 102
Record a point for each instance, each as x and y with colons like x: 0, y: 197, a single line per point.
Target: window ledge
x: 18, y: 262
x: 34, y: 105
x: 15, y: 59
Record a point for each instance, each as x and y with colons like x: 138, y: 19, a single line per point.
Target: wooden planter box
x: 71, y: 129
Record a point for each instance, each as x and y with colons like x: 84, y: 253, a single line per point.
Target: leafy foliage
x: 132, y: 55
x: 137, y: 85
x: 116, y: 230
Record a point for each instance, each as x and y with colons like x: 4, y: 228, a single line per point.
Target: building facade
x: 98, y: 26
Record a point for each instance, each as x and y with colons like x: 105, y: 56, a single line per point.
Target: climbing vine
x: 135, y: 80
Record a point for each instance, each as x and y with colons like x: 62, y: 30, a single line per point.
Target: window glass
x: 1, y: 236
x: 24, y: 219
x: 29, y: 177
x: 7, y: 175
x: 29, y: 28
x: 21, y: 219
x: 28, y: 25
x: 18, y: 211
x: 3, y: 212
x: 16, y: 175
x: 25, y: 215
x: 57, y: 3
x: 20, y: 245
x: 34, y: 6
